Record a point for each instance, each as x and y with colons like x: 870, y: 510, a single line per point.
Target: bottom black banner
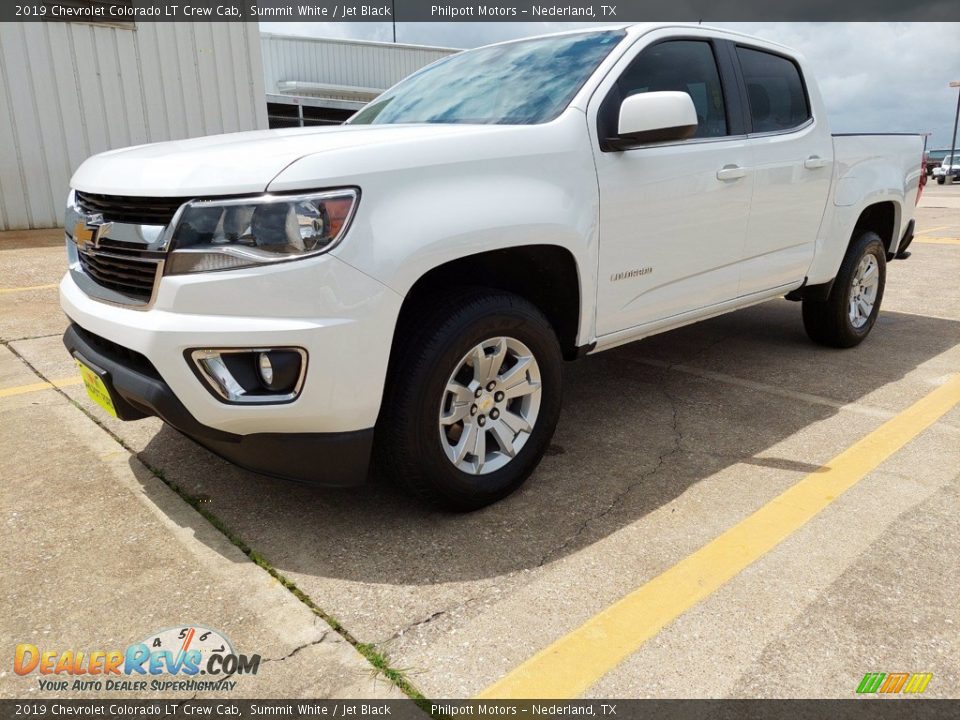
x: 881, y: 709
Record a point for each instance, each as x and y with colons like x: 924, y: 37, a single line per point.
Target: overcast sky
x: 875, y: 77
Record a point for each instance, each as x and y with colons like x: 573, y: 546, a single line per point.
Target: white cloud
x: 875, y: 77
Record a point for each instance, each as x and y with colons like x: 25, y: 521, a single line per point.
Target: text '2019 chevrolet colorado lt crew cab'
x: 406, y: 286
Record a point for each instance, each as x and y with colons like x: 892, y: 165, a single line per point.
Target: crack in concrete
x: 297, y: 649
x: 419, y: 623
x: 639, y: 480
x: 661, y: 459
x: 705, y: 350
x: 431, y: 618
x: 31, y: 337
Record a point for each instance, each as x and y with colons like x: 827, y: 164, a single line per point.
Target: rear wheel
x: 846, y: 317
x: 472, y: 400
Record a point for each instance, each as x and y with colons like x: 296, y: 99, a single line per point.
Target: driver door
x: 673, y: 215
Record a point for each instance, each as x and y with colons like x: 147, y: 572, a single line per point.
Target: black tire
x: 408, y: 443
x: 941, y: 180
x: 828, y: 322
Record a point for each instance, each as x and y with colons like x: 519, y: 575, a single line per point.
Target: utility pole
x: 953, y: 144
x: 393, y: 19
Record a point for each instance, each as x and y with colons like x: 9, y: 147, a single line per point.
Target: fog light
x: 251, y: 375
x: 280, y: 370
x: 266, y: 369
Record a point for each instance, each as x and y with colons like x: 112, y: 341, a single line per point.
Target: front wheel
x: 472, y: 400
x: 846, y: 317
x: 941, y: 180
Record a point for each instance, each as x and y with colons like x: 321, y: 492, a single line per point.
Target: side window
x: 775, y: 90
x: 685, y: 65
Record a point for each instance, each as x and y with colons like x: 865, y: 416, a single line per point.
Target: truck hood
x: 243, y: 162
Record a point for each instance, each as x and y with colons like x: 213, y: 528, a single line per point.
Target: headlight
x: 243, y: 232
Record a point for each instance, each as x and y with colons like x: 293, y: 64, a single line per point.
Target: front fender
x: 426, y: 223
x: 425, y: 204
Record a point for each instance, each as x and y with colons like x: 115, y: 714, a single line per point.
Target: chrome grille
x: 117, y: 244
x: 130, y: 209
x: 129, y: 271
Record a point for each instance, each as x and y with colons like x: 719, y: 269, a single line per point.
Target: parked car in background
x: 948, y: 170
x: 407, y: 285
x: 934, y: 158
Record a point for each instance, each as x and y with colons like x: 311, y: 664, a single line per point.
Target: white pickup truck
x: 405, y: 287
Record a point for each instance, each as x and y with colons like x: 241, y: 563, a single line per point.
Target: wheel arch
x: 841, y: 228
x: 545, y: 275
x: 883, y: 218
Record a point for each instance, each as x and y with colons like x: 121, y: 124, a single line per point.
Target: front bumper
x: 343, y: 319
x: 334, y: 459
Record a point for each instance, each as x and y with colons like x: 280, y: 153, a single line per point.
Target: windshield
x: 519, y: 83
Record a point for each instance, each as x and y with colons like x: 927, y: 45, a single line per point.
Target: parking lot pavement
x: 664, y: 446
x: 98, y: 553
x: 33, y: 263
x: 941, y: 196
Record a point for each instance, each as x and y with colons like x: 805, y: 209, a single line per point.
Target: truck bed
x: 868, y: 169
x: 890, y: 162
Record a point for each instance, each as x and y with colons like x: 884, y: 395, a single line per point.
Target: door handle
x: 813, y: 162
x: 731, y: 172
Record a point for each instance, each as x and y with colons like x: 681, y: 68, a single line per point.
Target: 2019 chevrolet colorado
x: 407, y: 285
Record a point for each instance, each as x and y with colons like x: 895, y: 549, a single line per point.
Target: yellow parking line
x: 36, y: 387
x: 28, y: 287
x: 938, y: 240
x: 938, y: 227
x: 575, y: 662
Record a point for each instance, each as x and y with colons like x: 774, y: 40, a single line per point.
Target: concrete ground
x: 663, y: 445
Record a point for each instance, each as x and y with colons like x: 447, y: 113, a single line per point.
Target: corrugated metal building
x: 323, y: 81
x: 70, y: 90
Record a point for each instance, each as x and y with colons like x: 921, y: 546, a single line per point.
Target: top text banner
x: 626, y: 11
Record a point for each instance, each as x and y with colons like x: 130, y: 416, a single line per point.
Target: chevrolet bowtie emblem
x: 91, y: 230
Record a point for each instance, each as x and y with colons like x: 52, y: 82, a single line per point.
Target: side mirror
x: 654, y: 117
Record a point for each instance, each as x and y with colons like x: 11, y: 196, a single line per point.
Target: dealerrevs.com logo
x: 190, y: 658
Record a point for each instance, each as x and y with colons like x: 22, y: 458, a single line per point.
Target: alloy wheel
x: 863, y: 291
x: 490, y: 405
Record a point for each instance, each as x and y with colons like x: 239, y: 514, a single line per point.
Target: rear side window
x: 778, y: 100
x: 685, y: 65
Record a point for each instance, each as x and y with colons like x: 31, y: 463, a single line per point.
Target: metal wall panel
x: 71, y: 90
x: 341, y: 62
